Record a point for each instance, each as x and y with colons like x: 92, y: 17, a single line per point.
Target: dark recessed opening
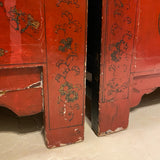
x: 93, y: 57
x: 10, y: 122
x: 149, y: 99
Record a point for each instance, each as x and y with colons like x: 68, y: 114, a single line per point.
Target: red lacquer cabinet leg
x: 117, y: 47
x: 111, y: 112
x: 64, y: 74
x: 129, y: 61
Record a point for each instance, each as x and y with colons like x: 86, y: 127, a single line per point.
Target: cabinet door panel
x: 22, y: 32
x: 147, y: 36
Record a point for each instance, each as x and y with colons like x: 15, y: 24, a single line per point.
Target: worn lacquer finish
x: 42, y: 64
x: 21, y: 87
x: 22, y: 25
x: 65, y: 33
x: 117, y: 45
x: 145, y: 71
x: 130, y: 59
x: 146, y: 55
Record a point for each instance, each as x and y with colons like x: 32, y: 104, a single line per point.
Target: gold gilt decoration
x: 1, y: 4
x: 2, y: 52
x: 21, y: 21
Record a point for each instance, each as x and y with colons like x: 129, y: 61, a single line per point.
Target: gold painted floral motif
x: 68, y: 2
x: 1, y: 4
x: 69, y: 91
x: 2, y: 52
x: 21, y: 21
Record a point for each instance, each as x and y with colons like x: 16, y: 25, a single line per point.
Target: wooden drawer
x: 19, y: 78
x: 21, y: 90
x: 22, y: 32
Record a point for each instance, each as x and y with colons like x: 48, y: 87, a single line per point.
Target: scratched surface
x: 66, y: 45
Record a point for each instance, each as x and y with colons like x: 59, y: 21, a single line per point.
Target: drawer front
x: 21, y: 90
x: 22, y: 102
x: 22, y: 32
x: 19, y: 78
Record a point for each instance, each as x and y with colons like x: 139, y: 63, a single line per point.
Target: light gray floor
x: 21, y: 139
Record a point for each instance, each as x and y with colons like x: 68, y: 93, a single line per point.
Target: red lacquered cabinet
x: 42, y: 64
x: 129, y: 61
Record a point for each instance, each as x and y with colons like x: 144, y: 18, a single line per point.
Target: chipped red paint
x: 42, y: 63
x: 17, y: 89
x: 65, y: 34
x: 130, y: 60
